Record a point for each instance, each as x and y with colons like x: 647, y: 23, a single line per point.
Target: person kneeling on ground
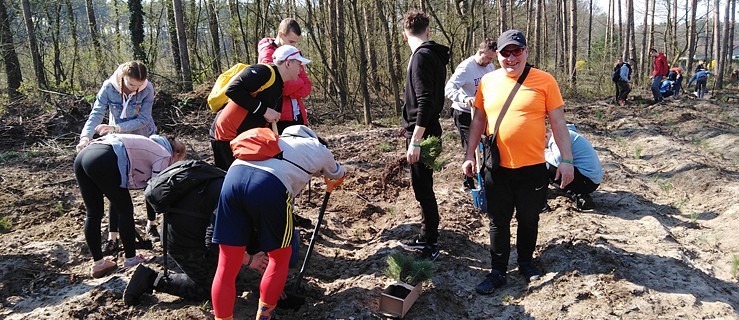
x: 255, y: 206
x: 189, y: 228
x: 109, y: 167
x: 588, y: 171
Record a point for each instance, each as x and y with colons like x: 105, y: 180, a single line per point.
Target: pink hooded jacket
x: 296, y: 89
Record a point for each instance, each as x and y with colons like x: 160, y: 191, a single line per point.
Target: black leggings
x: 113, y: 216
x: 96, y: 169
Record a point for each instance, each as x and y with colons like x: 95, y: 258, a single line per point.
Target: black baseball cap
x: 511, y: 36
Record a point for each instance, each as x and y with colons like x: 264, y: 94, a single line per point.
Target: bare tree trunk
x: 675, y: 49
x: 173, y: 43
x: 389, y: 47
x: 626, y: 37
x: 564, y: 65
x: 716, y: 39
x: 10, y: 57
x: 620, y: 29
x: 558, y: 37
x: 609, y: 34
x: 94, y: 37
x: 341, y: 51
x: 590, y: 27
x: 651, y: 25
x: 38, y: 63
x: 632, y: 30
x: 643, y: 56
x: 136, y: 27
x: 503, y: 15
x: 529, y: 8
x: 53, y: 15
x: 182, y: 45
x: 369, y: 36
x: 573, y: 44
x: 537, y: 34
x: 725, y: 57
x: 75, y: 43
x: 692, y: 34
x: 362, y: 69
x: 214, y: 36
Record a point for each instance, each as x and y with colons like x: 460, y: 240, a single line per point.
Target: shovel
x: 294, y: 300
x: 478, y: 194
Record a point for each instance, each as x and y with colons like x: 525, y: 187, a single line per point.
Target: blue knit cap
x: 162, y: 141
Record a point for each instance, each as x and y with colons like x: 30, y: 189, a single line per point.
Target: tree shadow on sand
x: 653, y: 272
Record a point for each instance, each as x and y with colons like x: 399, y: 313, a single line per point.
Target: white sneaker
x: 134, y: 261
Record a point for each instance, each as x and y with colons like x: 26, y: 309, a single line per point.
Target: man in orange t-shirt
x: 521, y: 180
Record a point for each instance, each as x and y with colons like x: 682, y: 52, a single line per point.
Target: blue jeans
x: 656, y: 83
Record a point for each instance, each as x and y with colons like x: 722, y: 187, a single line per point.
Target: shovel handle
x: 309, y: 251
x: 274, y: 128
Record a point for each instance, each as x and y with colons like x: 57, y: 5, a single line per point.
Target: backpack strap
x: 269, y: 82
x: 282, y: 157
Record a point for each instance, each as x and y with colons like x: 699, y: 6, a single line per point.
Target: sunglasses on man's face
x: 507, y: 53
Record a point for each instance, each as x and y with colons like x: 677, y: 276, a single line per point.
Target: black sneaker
x: 584, y: 202
x: 529, y: 271
x: 417, y: 242
x: 494, y: 280
x: 153, y: 234
x: 111, y: 247
x: 430, y: 252
x: 142, y: 281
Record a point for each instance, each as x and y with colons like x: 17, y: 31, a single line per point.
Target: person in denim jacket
x: 127, y: 98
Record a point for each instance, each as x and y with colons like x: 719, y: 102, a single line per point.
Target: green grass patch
x: 12, y: 156
x: 385, y: 146
x: 5, y: 224
x: 637, y: 153
x: 735, y: 266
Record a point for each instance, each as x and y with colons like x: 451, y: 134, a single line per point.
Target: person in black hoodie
x: 424, y: 98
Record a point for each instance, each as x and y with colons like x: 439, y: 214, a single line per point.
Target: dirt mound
x: 659, y: 243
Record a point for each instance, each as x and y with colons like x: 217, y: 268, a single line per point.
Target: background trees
x: 357, y: 46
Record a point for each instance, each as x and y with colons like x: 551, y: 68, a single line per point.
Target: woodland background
x: 359, y: 57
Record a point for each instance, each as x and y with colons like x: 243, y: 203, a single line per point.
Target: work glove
x: 84, y: 141
x: 331, y: 184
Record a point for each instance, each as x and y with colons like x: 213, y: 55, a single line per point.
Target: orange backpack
x: 259, y: 144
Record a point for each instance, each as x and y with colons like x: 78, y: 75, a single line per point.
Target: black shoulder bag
x: 491, y: 154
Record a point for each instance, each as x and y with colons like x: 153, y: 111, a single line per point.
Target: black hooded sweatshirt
x: 424, y: 88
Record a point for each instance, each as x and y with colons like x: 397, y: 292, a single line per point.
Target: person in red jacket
x: 293, y: 109
x: 660, y: 71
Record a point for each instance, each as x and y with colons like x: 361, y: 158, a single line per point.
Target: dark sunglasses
x: 507, y: 53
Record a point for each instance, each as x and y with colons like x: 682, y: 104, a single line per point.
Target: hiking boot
x: 494, y: 280
x: 417, y: 242
x: 134, y: 261
x: 622, y: 102
x: 142, y: 281
x: 583, y: 202
x: 111, y: 247
x: 529, y: 271
x: 153, y: 233
x: 103, y: 268
x: 430, y: 252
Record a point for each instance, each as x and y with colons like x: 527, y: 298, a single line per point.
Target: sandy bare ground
x: 661, y: 243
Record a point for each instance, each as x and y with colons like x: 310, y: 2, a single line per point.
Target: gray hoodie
x: 464, y: 81
x: 300, y: 145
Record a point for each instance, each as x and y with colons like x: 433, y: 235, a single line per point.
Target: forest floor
x: 658, y: 245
